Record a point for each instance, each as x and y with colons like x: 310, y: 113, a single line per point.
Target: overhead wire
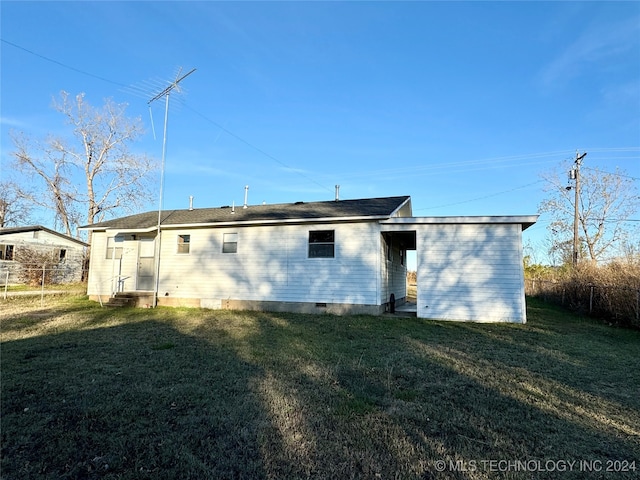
x: 138, y: 91
x: 64, y: 65
x: 611, y: 173
x: 483, y: 197
x: 487, y: 163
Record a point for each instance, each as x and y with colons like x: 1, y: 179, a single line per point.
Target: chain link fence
x: 620, y: 305
x: 38, y: 279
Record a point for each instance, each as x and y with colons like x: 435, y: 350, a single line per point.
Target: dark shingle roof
x: 368, y: 207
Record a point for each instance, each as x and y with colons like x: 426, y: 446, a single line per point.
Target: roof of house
x: 36, y: 228
x: 368, y: 208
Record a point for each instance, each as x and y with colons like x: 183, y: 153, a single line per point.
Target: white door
x: 146, y: 264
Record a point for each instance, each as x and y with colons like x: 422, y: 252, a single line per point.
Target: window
x: 322, y: 244
x: 6, y: 252
x: 62, y: 254
x: 114, y: 247
x: 229, y: 242
x: 183, y: 243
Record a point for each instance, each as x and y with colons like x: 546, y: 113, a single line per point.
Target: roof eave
x: 32, y: 228
x: 247, y: 223
x: 525, y: 220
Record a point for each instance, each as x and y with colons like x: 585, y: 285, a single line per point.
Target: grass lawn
x: 196, y: 394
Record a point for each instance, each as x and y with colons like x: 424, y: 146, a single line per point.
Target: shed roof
x: 368, y: 208
x: 36, y: 228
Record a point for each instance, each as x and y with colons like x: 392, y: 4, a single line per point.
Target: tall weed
x: 610, y: 291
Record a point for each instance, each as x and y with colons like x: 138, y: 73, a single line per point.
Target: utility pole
x: 575, y: 174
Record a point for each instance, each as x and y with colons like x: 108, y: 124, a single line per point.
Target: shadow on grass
x: 139, y: 400
x: 403, y: 394
x: 178, y: 394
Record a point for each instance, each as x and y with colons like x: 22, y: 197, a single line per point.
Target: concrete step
x: 121, y: 300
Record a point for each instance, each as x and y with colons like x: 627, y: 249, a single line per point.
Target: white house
x: 67, y: 252
x: 342, y: 256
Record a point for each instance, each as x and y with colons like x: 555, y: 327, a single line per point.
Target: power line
x: 612, y: 173
x: 135, y: 91
x: 488, y: 163
x: 259, y: 150
x: 64, y: 65
x: 482, y: 198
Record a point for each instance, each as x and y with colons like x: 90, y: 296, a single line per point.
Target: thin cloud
x: 12, y: 122
x: 594, y: 46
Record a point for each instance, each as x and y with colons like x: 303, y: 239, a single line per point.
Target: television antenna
x: 166, y: 92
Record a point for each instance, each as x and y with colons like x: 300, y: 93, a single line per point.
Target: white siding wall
x: 471, y: 272
x: 68, y: 270
x: 103, y: 271
x: 41, y: 238
x: 272, y: 264
x: 98, y: 281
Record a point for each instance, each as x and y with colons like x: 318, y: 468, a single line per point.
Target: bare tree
x: 14, y: 210
x: 606, y: 202
x: 93, y: 174
x: 54, y: 171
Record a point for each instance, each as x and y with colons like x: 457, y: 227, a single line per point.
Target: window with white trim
x: 229, y: 243
x: 184, y: 243
x: 322, y: 244
x: 114, y: 247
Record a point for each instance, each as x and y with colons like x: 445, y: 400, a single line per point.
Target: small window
x: 322, y: 244
x: 6, y: 252
x: 62, y: 254
x: 183, y: 243
x: 114, y: 247
x: 229, y: 243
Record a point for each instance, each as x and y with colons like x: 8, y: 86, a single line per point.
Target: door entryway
x: 146, y: 264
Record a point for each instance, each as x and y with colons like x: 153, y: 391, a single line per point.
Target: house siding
x: 469, y: 268
x: 471, y: 272
x: 68, y: 270
x: 271, y: 265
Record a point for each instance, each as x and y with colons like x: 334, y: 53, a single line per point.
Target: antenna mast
x: 164, y: 93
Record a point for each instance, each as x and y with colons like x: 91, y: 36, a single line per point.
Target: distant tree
x: 13, y: 206
x: 91, y: 175
x: 606, y: 202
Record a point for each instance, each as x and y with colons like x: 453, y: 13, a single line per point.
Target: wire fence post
x: 44, y: 266
x: 6, y: 284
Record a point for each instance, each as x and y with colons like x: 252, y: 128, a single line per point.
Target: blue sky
x: 460, y: 105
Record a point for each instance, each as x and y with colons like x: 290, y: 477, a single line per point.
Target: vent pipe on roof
x: 337, y: 192
x: 246, y: 194
x: 233, y: 207
x: 190, y: 202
